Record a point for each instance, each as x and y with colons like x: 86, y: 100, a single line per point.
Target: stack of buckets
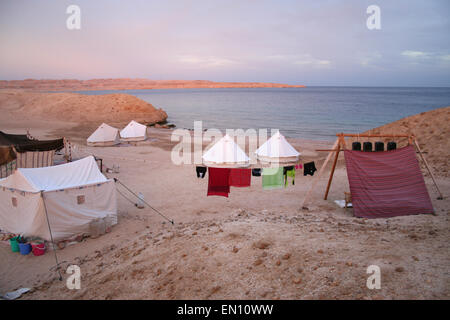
x: 38, y: 248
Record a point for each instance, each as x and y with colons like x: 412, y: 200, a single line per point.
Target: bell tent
x: 134, y: 131
x: 69, y: 195
x: 225, y: 152
x: 277, y: 149
x: 104, y: 136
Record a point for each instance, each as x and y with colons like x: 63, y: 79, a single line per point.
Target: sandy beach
x: 256, y: 244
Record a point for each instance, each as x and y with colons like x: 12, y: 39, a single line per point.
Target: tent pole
x: 334, y: 167
x: 317, y: 178
x: 429, y: 170
x: 51, y: 236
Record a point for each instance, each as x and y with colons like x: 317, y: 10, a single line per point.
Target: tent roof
x: 69, y: 175
x: 277, y: 147
x: 104, y: 133
x: 134, y: 129
x: 225, y: 151
x: 22, y: 143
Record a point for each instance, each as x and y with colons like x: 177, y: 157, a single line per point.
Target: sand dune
x: 432, y: 131
x: 111, y: 108
x: 123, y: 84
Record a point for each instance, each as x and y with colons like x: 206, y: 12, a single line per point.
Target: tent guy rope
x: 133, y: 193
x: 51, y: 237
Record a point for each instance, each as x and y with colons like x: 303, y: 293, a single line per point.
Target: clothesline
x: 221, y: 179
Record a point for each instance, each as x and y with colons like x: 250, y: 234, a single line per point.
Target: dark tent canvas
x: 7, y: 155
x: 22, y: 143
x: 387, y: 184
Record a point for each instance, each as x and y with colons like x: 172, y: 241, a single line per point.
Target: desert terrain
x: 256, y: 244
x: 130, y: 84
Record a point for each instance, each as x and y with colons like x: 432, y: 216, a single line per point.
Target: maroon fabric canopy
x: 386, y: 184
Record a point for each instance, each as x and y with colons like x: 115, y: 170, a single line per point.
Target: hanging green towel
x: 272, y: 178
x: 290, y: 173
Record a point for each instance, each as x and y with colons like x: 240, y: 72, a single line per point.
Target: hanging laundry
x: 201, y: 171
x: 240, y: 177
x: 256, y: 172
x: 218, y: 182
x: 298, y: 166
x: 289, y: 172
x: 309, y: 168
x: 272, y: 178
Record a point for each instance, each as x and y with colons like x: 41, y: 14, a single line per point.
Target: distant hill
x: 130, y: 84
x: 75, y: 107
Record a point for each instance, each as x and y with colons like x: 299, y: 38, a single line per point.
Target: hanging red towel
x: 240, y: 177
x: 218, y: 182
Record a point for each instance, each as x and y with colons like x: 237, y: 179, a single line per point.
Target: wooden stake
x: 333, y: 168
x: 429, y: 170
x: 319, y: 174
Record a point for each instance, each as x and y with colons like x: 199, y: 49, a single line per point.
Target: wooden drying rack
x: 340, y: 144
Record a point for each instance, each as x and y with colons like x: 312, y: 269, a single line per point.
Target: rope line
x: 131, y: 191
x: 131, y: 201
x: 51, y: 237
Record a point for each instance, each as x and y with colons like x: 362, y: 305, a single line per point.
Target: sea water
x: 316, y: 113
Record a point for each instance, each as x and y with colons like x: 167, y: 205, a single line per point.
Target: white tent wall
x: 104, y: 136
x: 67, y: 218
x: 26, y: 217
x: 134, y: 131
x: 75, y: 194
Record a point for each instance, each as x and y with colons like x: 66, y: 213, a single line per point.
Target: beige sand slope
x: 432, y: 131
x: 79, y: 108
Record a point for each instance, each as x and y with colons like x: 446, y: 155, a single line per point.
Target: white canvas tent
x: 277, y: 149
x: 225, y: 152
x: 75, y: 194
x: 104, y: 136
x: 134, y: 131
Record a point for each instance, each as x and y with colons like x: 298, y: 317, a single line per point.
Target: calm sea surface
x: 311, y: 113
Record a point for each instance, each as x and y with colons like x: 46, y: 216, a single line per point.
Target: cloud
x: 301, y: 60
x: 415, y: 54
x: 210, y: 61
x: 430, y: 58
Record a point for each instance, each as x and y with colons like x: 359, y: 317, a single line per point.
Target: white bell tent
x: 225, y: 152
x: 73, y: 195
x: 277, y: 150
x: 134, y: 131
x: 104, y: 136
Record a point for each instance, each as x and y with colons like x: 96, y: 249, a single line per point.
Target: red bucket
x: 38, y: 249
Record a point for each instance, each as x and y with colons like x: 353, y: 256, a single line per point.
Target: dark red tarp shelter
x: 387, y: 184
